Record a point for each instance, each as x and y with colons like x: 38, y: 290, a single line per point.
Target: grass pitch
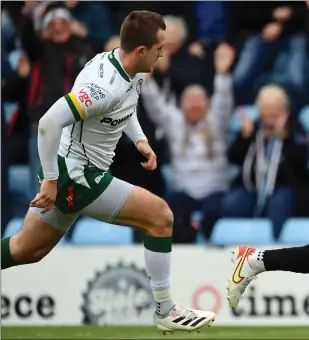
x: 97, y: 332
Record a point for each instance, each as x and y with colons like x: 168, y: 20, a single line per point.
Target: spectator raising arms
x: 273, y: 156
x: 57, y: 56
x: 196, y: 134
x: 271, y: 38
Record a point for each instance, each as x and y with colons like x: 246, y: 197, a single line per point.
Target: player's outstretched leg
x: 249, y: 262
x: 35, y: 239
x: 152, y: 215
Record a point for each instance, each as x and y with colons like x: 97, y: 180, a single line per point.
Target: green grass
x: 97, y: 332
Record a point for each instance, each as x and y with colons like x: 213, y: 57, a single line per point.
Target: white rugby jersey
x: 103, y: 101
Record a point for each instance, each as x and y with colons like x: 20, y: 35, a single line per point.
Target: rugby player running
x: 76, y: 140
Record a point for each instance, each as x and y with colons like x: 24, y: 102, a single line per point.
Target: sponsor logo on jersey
x: 70, y: 196
x: 96, y: 92
x: 84, y: 98
x: 114, y: 122
x: 139, y: 86
x: 98, y: 178
x: 101, y: 72
x: 111, y: 82
x: 119, y: 294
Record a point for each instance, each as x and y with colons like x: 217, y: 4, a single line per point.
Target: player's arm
x: 134, y: 131
x: 81, y: 104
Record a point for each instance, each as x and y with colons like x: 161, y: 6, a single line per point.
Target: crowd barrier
x: 109, y: 286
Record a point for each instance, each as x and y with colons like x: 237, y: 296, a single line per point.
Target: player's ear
x: 141, y: 52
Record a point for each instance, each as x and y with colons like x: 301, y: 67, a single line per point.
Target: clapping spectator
x: 196, y: 135
x: 273, y: 155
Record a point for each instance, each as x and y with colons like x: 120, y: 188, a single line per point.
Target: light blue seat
x: 91, y: 232
x: 13, y: 227
x: 63, y: 242
x: 304, y: 118
x: 295, y: 231
x: 19, y: 180
x: 231, y: 232
x: 200, y: 238
x: 235, y: 124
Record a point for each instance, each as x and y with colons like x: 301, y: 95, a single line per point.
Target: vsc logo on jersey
x: 118, y: 295
x: 114, y: 122
x: 84, y: 98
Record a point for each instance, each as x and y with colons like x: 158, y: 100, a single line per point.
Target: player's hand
x: 247, y: 125
x: 224, y: 58
x: 145, y: 149
x: 47, y: 196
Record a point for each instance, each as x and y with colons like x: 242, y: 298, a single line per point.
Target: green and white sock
x: 158, y: 265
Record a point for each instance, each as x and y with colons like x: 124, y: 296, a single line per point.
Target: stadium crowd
x: 226, y: 109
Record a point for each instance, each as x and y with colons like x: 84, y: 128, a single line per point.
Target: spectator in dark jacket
x: 57, y: 57
x: 264, y: 32
x: 273, y: 155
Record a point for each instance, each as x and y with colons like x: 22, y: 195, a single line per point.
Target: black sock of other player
x: 294, y: 259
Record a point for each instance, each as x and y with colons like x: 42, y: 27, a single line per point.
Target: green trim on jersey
x: 73, y: 197
x: 72, y: 107
x: 118, y: 67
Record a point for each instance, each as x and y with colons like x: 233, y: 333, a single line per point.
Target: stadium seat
x: 12, y: 227
x: 200, y: 238
x: 63, y: 242
x: 91, y: 232
x: 235, y: 123
x: 19, y: 180
x: 304, y: 118
x: 231, y: 232
x: 295, y: 231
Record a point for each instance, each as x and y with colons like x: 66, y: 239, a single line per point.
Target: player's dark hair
x: 140, y: 28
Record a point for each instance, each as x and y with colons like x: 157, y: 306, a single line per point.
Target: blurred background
x: 227, y: 112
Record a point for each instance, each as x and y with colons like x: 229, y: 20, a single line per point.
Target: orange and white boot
x: 243, y: 273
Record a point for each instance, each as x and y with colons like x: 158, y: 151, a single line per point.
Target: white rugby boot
x: 184, y: 319
x: 242, y: 275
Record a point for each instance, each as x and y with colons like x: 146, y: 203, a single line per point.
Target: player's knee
x: 27, y: 252
x: 163, y: 221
